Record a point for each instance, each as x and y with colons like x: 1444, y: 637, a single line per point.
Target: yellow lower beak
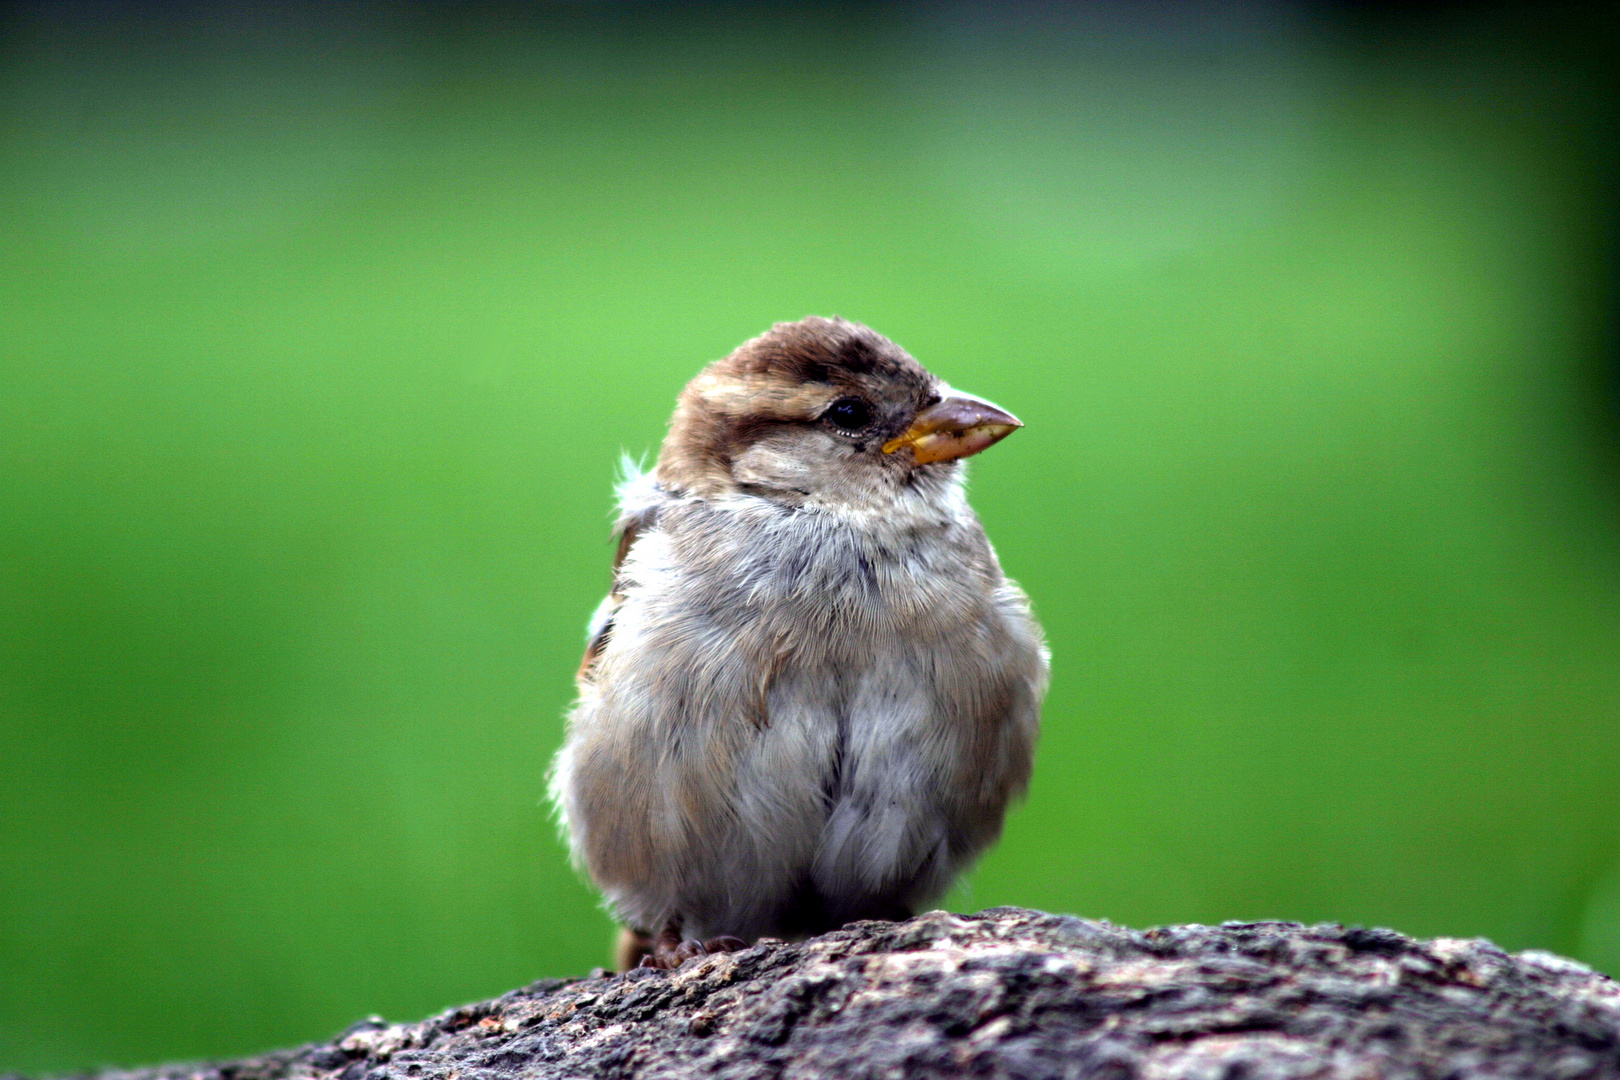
x: 954, y: 427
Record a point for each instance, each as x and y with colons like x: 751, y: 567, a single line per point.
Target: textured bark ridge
x: 1014, y: 993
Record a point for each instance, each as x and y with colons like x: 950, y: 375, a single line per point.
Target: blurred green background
x: 321, y: 332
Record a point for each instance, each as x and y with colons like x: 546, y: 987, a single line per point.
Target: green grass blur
x: 321, y: 335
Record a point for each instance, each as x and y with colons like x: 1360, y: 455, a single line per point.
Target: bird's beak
x: 955, y: 426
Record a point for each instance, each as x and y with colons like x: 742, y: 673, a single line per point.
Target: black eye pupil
x: 849, y: 413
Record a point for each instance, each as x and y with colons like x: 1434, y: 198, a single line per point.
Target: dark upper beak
x: 954, y: 427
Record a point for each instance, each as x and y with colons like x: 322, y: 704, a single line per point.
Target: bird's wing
x: 602, y: 623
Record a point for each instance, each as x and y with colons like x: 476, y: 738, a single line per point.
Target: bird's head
x: 822, y: 411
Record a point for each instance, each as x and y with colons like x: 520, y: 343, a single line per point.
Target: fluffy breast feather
x: 795, y: 694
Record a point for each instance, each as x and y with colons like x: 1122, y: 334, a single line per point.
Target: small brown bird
x: 811, y: 693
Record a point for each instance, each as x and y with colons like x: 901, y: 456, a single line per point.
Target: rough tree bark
x: 1015, y: 993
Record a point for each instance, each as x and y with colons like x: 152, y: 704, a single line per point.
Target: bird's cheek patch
x: 771, y: 466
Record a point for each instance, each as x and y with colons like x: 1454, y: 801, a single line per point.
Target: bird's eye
x: 849, y: 414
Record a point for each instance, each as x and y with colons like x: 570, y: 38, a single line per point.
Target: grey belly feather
x: 844, y: 756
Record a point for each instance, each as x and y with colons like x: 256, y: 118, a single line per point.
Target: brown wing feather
x: 627, y: 537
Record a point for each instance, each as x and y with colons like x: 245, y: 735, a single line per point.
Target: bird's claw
x: 668, y: 955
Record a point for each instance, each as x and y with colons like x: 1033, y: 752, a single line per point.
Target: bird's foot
x: 671, y: 950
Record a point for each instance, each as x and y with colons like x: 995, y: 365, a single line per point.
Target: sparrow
x: 811, y: 693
